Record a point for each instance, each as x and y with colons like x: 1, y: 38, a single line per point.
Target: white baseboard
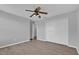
x: 78, y: 50
x: 74, y: 47
x: 13, y: 44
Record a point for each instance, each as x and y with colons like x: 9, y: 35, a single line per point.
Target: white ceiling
x: 52, y: 9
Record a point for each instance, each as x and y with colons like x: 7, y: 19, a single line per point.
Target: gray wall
x: 74, y: 29
x: 13, y: 29
x: 57, y: 29
x: 72, y: 26
x: 77, y: 43
x: 41, y: 30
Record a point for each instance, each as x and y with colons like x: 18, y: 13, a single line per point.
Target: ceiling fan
x: 37, y: 12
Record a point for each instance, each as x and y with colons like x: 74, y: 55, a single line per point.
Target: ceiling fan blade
x: 37, y: 9
x: 29, y: 10
x: 43, y: 12
x: 33, y: 14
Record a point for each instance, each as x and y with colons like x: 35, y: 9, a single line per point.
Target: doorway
x: 33, y: 30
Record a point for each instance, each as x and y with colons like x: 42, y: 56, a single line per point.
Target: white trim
x: 13, y: 44
x: 74, y: 47
x: 77, y: 50
x: 58, y: 42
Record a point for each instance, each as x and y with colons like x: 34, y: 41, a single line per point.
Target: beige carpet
x: 37, y: 47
